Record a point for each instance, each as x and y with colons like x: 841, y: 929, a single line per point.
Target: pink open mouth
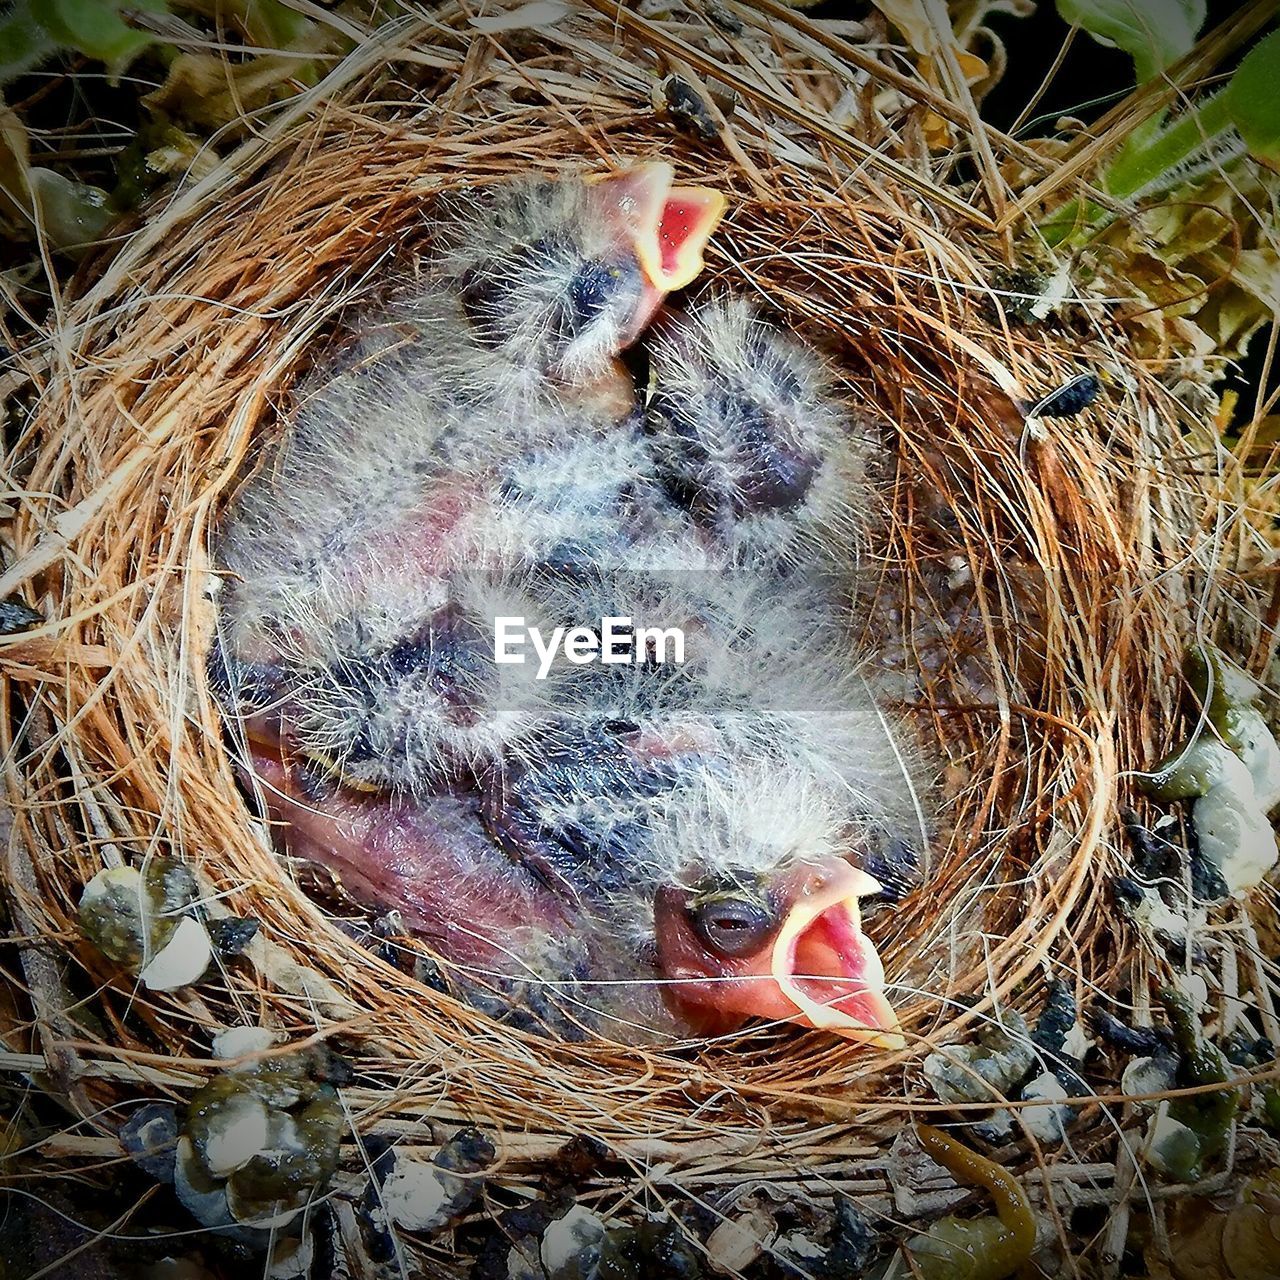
x: 818, y: 969
x: 671, y: 253
x: 666, y: 226
x: 826, y: 967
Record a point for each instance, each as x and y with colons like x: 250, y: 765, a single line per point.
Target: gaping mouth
x: 668, y: 226
x: 815, y: 966
x: 826, y: 966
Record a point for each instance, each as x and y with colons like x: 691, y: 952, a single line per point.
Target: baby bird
x: 561, y: 276
x: 432, y: 457
x: 745, y: 440
x: 620, y: 847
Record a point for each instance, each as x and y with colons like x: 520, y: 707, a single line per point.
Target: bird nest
x: 1037, y: 583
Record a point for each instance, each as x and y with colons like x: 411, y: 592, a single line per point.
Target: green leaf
x: 96, y: 29
x: 24, y: 44
x: 1143, y: 164
x: 1154, y: 33
x: 270, y: 24
x: 1252, y: 99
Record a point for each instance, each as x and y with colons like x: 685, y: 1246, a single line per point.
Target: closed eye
x: 732, y: 927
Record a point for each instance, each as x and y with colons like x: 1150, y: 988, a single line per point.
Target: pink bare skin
x: 431, y: 862
x: 816, y: 943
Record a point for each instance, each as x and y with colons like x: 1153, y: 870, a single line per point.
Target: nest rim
x: 145, y: 419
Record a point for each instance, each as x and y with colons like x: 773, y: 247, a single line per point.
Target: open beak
x: 817, y: 968
x: 826, y: 967
x: 666, y: 226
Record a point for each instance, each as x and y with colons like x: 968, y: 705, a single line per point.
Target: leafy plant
x: 1170, y: 151
x: 1154, y: 33
x: 201, y: 92
x: 33, y: 30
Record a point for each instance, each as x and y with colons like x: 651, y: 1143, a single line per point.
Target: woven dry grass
x: 1095, y: 548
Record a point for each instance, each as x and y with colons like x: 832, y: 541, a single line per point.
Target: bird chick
x: 671, y: 846
x: 560, y: 276
x: 764, y: 917
x: 747, y: 437
x: 430, y: 455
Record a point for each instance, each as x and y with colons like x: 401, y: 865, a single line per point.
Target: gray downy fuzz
x: 667, y: 843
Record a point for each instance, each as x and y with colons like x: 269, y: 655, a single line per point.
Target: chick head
x: 746, y: 435
x: 759, y: 914
x: 563, y: 274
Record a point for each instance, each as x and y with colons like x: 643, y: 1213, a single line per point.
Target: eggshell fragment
x: 182, y: 961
